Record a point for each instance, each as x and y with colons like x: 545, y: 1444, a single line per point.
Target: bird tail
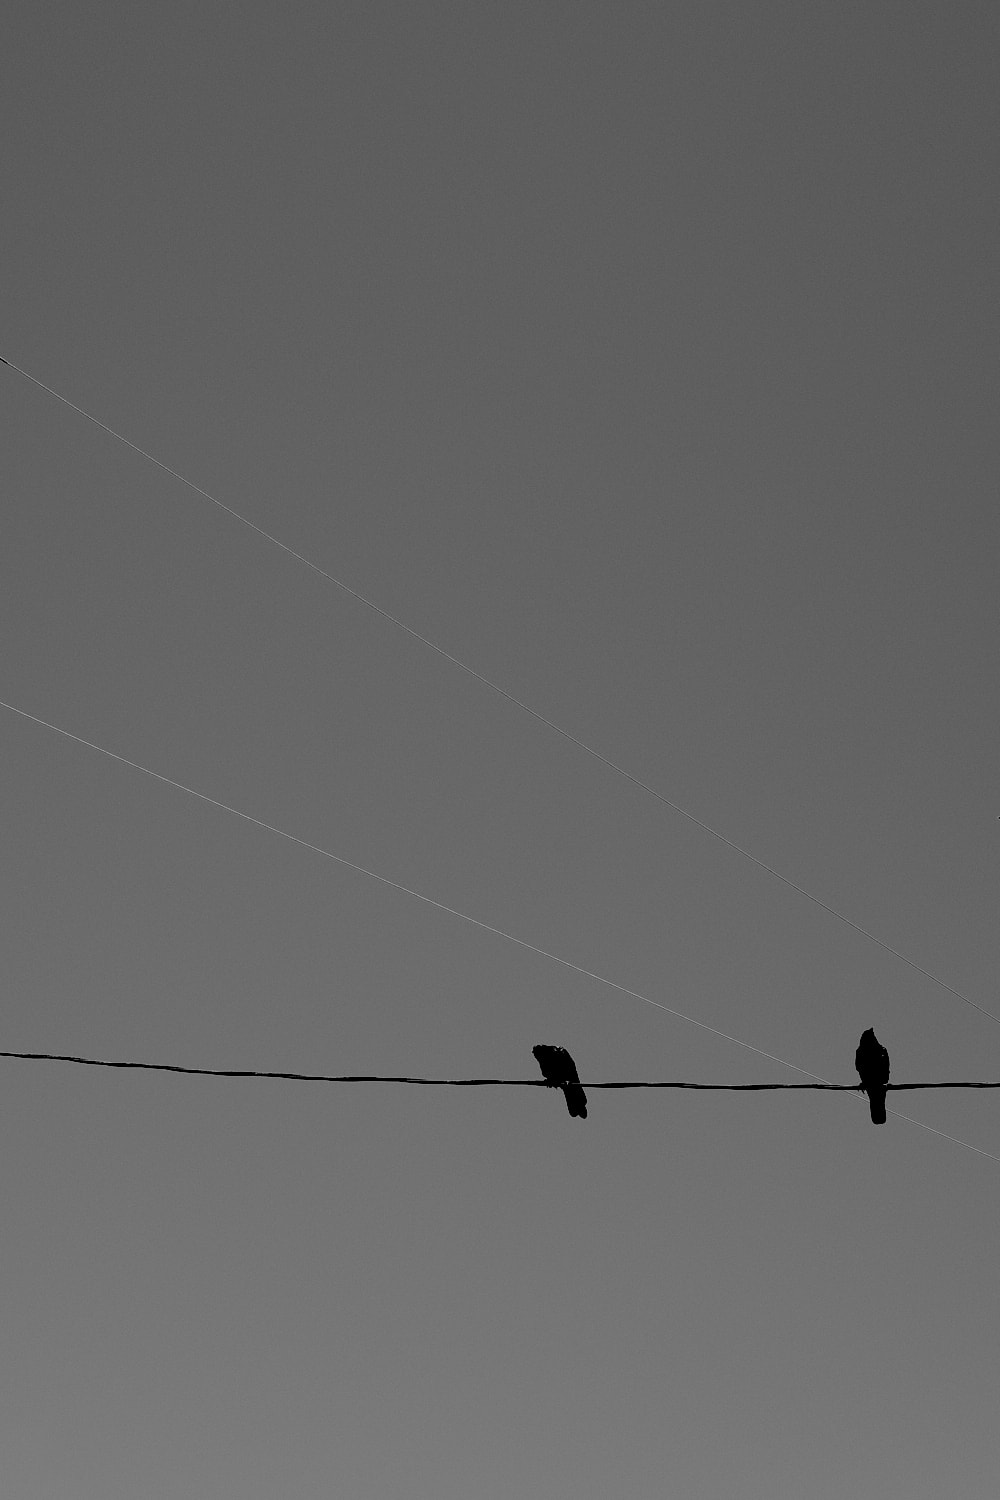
x: 576, y: 1101
x: 876, y: 1100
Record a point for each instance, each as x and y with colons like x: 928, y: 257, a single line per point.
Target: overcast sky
x: 642, y: 356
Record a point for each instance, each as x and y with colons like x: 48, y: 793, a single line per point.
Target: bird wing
x: 556, y: 1064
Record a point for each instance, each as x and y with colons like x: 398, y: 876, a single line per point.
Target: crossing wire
x: 510, y: 697
x: 403, y: 889
x: 455, y: 912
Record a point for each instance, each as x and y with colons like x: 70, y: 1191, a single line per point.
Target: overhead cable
x: 458, y: 1083
x: 504, y: 693
x: 463, y: 916
x: 403, y: 889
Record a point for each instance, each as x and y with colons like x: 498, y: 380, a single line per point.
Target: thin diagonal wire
x: 404, y: 889
x: 944, y: 1135
x: 510, y: 697
x: 453, y: 911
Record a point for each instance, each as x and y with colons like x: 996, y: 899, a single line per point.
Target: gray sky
x: 643, y: 356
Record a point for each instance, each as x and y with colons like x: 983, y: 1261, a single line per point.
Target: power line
x: 457, y: 1083
x: 533, y: 713
x: 531, y: 1083
x: 404, y: 889
x: 944, y: 1135
x: 440, y: 906
x: 510, y: 697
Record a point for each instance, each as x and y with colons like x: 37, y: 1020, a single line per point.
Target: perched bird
x: 559, y: 1069
x: 872, y: 1063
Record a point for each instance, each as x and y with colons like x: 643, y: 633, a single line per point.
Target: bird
x: 559, y: 1070
x: 872, y: 1063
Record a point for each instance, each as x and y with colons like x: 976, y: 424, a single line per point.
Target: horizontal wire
x: 541, y: 718
x: 463, y: 916
x: 510, y: 697
x: 458, y: 1083
x: 537, y: 1083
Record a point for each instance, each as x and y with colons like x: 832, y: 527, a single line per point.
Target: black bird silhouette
x: 559, y: 1069
x: 872, y: 1063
